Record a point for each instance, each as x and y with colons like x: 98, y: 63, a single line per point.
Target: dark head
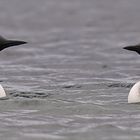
x: 4, y: 43
x: 135, y: 48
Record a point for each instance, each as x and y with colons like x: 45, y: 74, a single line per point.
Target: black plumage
x: 5, y: 43
x: 135, y: 48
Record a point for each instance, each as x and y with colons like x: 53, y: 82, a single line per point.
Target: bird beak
x: 135, y: 48
x: 131, y: 48
x: 10, y: 43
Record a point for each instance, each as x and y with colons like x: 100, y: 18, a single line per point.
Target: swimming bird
x: 134, y: 94
x: 5, y: 43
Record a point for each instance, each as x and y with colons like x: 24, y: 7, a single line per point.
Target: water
x: 72, y: 79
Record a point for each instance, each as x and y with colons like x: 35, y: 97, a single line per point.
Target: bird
x: 6, y: 43
x: 134, y: 94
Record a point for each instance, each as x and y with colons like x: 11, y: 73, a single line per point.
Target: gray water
x: 72, y: 79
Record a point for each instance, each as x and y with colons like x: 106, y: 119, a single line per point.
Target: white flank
x: 2, y: 92
x: 134, y: 94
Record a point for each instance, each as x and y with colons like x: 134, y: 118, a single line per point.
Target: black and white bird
x: 6, y: 43
x: 134, y: 94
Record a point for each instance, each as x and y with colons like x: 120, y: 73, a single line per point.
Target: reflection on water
x: 72, y: 79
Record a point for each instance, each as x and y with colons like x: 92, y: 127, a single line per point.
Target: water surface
x: 72, y: 79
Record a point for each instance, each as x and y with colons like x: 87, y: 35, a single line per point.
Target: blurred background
x: 72, y: 79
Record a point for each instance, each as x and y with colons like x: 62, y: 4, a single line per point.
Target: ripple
x: 126, y: 85
x: 31, y: 95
